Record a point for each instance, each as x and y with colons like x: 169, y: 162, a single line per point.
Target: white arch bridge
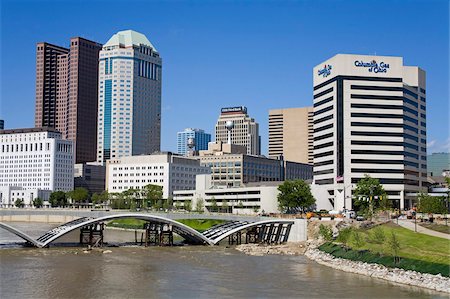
x: 265, y: 231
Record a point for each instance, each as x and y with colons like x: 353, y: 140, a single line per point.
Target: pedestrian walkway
x: 409, y: 224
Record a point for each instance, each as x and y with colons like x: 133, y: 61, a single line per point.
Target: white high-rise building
x: 129, y: 98
x: 244, y: 131
x: 36, y: 158
x: 369, y: 118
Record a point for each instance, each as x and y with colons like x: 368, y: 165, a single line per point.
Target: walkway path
x: 420, y: 229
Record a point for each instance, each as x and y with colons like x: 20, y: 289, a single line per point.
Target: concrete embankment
x: 309, y: 249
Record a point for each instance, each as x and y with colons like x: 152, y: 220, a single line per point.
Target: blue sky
x: 216, y: 54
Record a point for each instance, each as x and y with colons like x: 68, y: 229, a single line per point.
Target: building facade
x: 9, y: 195
x: 201, y: 140
x: 129, y: 97
x: 90, y: 176
x: 291, y: 134
x: 2, y: 124
x: 245, y: 129
x: 438, y: 163
x: 231, y: 167
x: 66, y: 93
x: 240, y: 200
x: 369, y: 118
x: 171, y: 171
x: 36, y: 158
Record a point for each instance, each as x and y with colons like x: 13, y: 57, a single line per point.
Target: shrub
x: 344, y: 235
x: 357, y: 239
x: 326, y: 232
x: 377, y: 235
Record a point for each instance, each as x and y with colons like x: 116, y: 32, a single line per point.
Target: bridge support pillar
x: 235, y: 239
x: 157, y: 234
x: 92, y: 234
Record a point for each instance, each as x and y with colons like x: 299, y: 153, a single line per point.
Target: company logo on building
x: 373, y: 66
x: 234, y: 109
x: 326, y: 71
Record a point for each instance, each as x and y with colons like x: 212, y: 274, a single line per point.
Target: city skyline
x: 189, y: 85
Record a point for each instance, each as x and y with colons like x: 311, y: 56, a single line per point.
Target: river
x: 175, y: 272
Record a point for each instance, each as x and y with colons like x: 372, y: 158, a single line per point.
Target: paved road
x: 409, y: 224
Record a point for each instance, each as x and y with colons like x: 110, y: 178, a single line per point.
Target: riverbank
x: 309, y: 249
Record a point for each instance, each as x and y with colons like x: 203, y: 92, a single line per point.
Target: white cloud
x: 438, y: 146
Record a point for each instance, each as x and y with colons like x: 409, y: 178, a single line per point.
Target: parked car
x: 360, y: 218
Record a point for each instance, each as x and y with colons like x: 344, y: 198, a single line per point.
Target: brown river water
x: 174, y: 272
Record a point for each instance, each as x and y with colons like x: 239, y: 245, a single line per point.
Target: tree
x: 178, y: 205
x: 365, y: 192
x: 170, y: 202
x: 357, y: 240
x: 152, y: 194
x: 38, y: 202
x: 326, y: 232
x: 377, y: 235
x: 294, y: 196
x: 187, y: 205
x: 431, y: 204
x: 240, y: 205
x: 19, y: 203
x: 394, y: 246
x: 224, y: 205
x: 344, y: 235
x: 199, y: 205
x: 78, y: 195
x: 57, y: 199
x: 214, y: 207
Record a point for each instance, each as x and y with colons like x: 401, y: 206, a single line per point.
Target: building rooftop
x: 129, y: 38
x: 29, y: 130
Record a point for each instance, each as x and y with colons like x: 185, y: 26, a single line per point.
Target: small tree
x: 78, y: 195
x: 188, y: 205
x: 224, y: 205
x: 19, y: 203
x: 357, y: 239
x: 431, y: 204
x: 166, y: 205
x: 159, y: 204
x: 326, y: 232
x: 38, y: 202
x: 293, y: 196
x: 394, y: 246
x: 365, y: 192
x: 214, y: 206
x: 178, y: 205
x: 377, y: 235
x: 57, y: 199
x: 152, y: 193
x: 199, y: 205
x: 344, y: 235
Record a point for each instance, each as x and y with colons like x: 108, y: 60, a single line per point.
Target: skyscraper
x: 66, y: 93
x: 201, y: 140
x: 2, y: 124
x: 369, y: 118
x: 245, y: 129
x: 291, y: 134
x: 129, y: 97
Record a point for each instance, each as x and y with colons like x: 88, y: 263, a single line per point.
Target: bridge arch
x: 20, y: 234
x: 181, y: 229
x: 246, y: 226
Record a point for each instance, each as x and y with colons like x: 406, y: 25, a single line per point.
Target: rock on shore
x: 293, y: 248
x: 413, y: 278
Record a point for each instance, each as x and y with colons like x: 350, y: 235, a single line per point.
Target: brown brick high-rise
x: 66, y: 93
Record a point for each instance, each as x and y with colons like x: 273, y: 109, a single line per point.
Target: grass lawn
x: 201, y: 224
x: 442, y: 228
x: 417, y: 252
x: 197, y: 224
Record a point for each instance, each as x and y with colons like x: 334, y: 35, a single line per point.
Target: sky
x: 258, y: 54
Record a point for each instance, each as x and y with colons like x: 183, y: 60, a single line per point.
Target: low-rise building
x: 9, y: 195
x: 231, y: 167
x: 171, y: 171
x: 237, y: 200
x: 90, y: 176
x: 36, y: 158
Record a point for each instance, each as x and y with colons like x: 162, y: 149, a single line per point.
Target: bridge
x: 267, y: 231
